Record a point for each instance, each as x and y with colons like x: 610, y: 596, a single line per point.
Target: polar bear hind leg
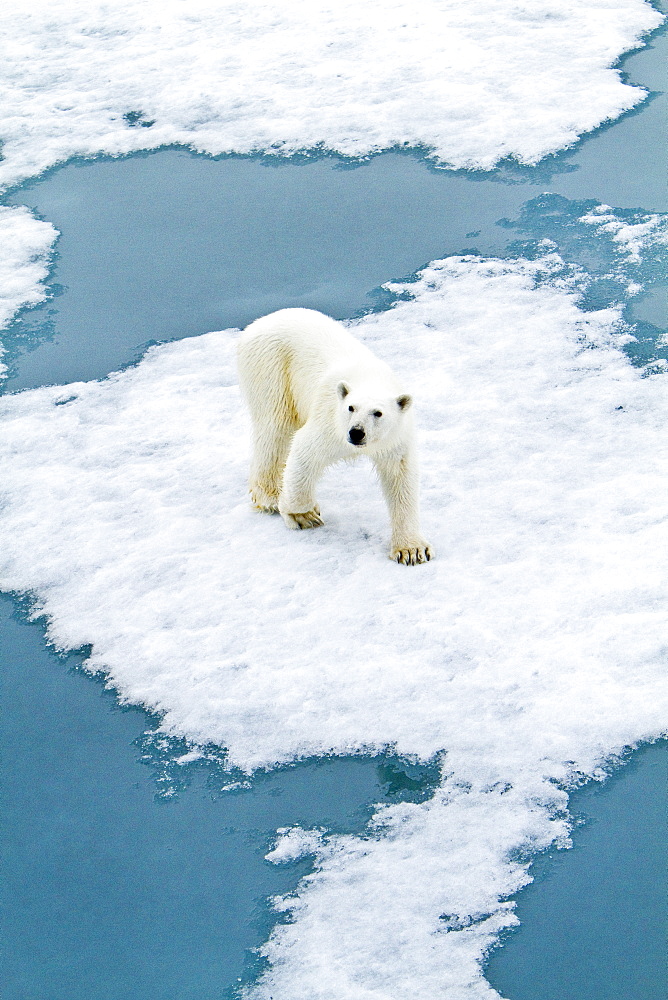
x: 269, y: 453
x: 275, y: 423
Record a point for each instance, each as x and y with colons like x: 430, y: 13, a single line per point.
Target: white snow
x: 529, y: 651
x: 25, y: 251
x: 634, y: 238
x: 471, y: 81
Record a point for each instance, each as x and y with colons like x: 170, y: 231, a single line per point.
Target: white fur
x: 317, y: 396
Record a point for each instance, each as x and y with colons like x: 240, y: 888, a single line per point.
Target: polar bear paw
x: 412, y: 553
x: 309, y: 519
x: 264, y: 500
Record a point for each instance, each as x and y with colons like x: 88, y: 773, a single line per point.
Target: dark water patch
x: 117, y: 885
x: 173, y: 245
x: 137, y: 119
x: 593, y: 920
x: 176, y: 764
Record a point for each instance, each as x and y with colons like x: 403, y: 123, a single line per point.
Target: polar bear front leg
x: 306, y: 463
x: 399, y: 480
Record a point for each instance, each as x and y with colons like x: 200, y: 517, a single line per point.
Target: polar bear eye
x: 352, y: 409
x: 377, y: 413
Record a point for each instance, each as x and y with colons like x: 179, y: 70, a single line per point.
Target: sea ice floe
x: 470, y: 81
x: 26, y: 244
x: 530, y: 651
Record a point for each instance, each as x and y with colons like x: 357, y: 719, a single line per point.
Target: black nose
x: 356, y: 435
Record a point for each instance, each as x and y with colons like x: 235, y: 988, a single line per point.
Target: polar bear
x: 317, y: 396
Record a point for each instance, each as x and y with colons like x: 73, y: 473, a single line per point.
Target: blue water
x: 593, y: 921
x: 115, y: 889
x: 128, y: 875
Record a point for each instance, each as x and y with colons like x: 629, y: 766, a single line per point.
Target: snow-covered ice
x: 530, y: 651
x: 470, y: 81
x: 25, y: 257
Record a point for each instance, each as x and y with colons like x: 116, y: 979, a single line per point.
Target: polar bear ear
x: 403, y: 402
x: 342, y: 390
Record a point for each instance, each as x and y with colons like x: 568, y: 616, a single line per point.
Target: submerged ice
x: 525, y: 656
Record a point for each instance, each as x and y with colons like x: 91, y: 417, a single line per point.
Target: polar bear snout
x: 357, y: 435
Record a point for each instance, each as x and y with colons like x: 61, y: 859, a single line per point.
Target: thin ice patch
x: 635, y: 233
x: 617, y: 255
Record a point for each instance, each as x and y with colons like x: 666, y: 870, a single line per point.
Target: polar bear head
x: 368, y: 419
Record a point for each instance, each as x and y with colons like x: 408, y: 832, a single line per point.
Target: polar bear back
x: 305, y: 350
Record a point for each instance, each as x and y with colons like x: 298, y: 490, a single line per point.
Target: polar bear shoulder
x: 305, y: 348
